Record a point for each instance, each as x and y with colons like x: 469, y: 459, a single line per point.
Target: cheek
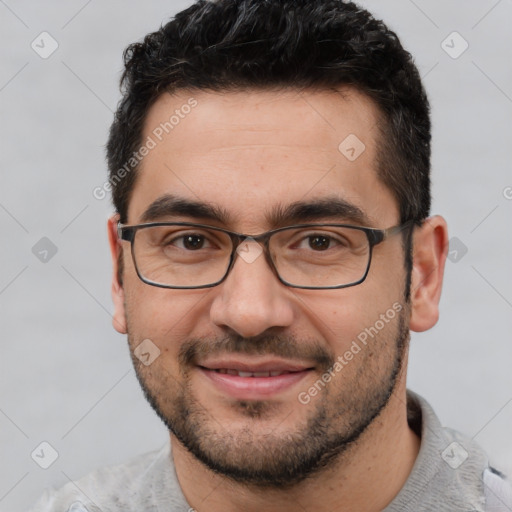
x: 343, y: 315
x: 165, y: 316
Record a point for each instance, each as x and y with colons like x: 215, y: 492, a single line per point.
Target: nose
x: 251, y: 299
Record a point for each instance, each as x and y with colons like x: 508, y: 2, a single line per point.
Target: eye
x: 190, y: 242
x: 319, y: 242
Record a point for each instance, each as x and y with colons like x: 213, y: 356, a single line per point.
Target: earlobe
x: 119, y: 316
x: 430, y: 248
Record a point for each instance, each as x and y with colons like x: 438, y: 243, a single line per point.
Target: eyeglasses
x: 186, y: 255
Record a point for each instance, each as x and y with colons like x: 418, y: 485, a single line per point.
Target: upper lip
x: 263, y: 365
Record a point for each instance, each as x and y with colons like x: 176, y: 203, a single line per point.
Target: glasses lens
x: 190, y: 256
x: 181, y: 256
x: 321, y: 256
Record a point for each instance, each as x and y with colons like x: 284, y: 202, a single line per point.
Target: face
x: 335, y: 354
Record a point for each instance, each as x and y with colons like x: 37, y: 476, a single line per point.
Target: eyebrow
x: 171, y: 205
x: 327, y: 208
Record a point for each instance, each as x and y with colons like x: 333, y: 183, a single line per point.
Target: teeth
x: 240, y: 373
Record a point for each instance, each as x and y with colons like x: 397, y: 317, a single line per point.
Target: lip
x: 252, y: 365
x: 255, y: 388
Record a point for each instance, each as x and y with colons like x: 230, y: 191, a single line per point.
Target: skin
x: 247, y: 152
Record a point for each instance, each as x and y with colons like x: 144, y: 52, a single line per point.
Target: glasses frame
x: 375, y: 236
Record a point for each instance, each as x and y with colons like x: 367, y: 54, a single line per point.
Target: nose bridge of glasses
x: 249, y: 248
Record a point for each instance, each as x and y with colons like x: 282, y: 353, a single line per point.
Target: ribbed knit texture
x: 451, y: 474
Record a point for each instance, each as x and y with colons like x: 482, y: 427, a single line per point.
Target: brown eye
x: 319, y: 242
x: 192, y: 242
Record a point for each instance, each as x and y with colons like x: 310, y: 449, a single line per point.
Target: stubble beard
x: 334, y: 421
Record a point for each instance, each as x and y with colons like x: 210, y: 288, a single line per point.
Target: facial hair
x: 331, y: 423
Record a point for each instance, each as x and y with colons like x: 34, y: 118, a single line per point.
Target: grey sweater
x: 451, y: 474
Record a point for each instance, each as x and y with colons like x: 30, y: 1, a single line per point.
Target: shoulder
x: 498, y: 491
x: 109, y: 488
x: 452, y: 472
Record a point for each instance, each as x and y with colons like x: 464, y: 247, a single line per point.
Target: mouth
x: 240, y: 373
x: 249, y: 380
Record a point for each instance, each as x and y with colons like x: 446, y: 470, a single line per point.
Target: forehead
x: 251, y: 152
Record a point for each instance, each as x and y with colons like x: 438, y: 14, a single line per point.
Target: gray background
x: 65, y: 374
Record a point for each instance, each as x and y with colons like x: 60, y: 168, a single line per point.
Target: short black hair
x: 233, y: 45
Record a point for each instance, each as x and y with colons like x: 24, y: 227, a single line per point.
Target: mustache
x: 287, y: 347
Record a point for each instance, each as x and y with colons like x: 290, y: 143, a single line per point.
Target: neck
x: 366, y: 477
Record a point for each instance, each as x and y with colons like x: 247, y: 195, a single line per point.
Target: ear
x: 430, y: 248
x: 119, y: 316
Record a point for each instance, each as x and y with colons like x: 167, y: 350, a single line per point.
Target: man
x: 272, y: 250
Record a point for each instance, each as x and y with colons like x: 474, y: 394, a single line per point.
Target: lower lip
x: 245, y: 388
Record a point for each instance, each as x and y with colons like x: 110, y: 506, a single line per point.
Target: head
x: 234, y: 114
